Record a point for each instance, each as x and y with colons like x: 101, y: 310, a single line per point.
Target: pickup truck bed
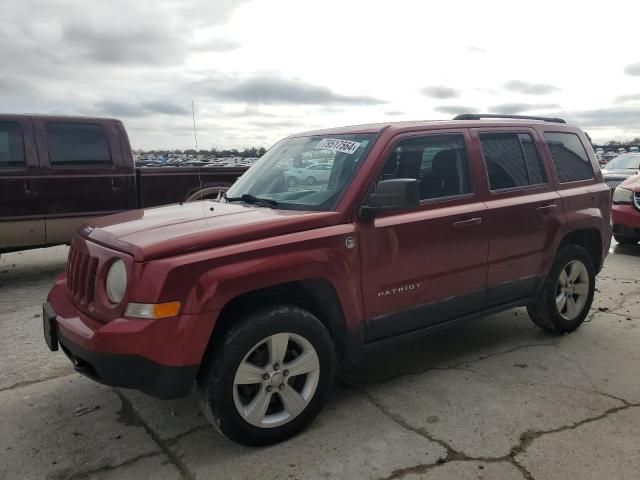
x: 58, y: 172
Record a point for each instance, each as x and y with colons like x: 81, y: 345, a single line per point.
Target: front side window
x: 77, y: 143
x: 304, y: 173
x: 569, y: 157
x: 438, y: 162
x: 511, y: 160
x: 11, y: 145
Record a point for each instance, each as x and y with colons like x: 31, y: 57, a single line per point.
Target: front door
x: 427, y: 265
x: 21, y: 204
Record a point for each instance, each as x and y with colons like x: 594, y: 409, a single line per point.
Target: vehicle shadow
x: 452, y: 345
x: 629, y: 250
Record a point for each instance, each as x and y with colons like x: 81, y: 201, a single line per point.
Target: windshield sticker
x: 337, y: 145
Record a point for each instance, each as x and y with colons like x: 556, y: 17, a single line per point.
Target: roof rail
x: 479, y: 116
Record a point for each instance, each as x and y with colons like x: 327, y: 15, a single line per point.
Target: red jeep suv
x: 254, y: 297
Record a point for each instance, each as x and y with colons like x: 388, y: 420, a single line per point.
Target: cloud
x: 526, y: 88
x: 266, y: 89
x: 394, y: 113
x: 454, y: 109
x: 139, y: 109
x: 621, y: 117
x: 216, y: 44
x: 515, y: 108
x: 440, y: 92
x: 627, y: 98
x: 633, y: 69
x: 477, y: 49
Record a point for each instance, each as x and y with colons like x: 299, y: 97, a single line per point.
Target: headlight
x: 116, y: 283
x: 622, y: 195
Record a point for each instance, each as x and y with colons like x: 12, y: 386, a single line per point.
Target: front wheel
x: 567, y: 293
x: 269, y: 377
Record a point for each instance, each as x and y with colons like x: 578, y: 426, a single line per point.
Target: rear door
x: 21, y: 204
x: 524, y: 213
x: 84, y: 173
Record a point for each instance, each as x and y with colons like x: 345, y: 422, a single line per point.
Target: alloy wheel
x: 572, y: 290
x: 276, y: 380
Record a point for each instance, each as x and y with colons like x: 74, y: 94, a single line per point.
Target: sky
x: 259, y: 70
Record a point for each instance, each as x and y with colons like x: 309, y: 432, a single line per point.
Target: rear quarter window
x: 569, y: 157
x: 11, y: 145
x: 77, y: 143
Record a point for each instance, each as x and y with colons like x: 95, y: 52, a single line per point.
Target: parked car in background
x: 634, y: 150
x: 620, y: 168
x: 59, y: 172
x: 621, y: 150
x: 309, y: 175
x: 255, y: 297
x: 626, y: 211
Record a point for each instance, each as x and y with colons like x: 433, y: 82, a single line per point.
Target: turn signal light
x: 152, y: 310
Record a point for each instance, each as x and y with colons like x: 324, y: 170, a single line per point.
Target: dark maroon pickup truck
x: 57, y: 172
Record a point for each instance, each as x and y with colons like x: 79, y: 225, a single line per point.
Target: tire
x: 292, y: 182
x: 311, y: 181
x: 626, y: 240
x: 227, y: 400
x: 550, y: 312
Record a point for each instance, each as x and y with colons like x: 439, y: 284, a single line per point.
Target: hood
x: 620, y: 172
x: 632, y: 183
x: 163, y: 231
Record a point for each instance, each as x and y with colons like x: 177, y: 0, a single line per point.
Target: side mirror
x: 395, y: 194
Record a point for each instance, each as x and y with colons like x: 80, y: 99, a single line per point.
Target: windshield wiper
x: 252, y: 199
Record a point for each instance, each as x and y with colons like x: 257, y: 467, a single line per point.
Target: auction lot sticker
x: 337, y: 145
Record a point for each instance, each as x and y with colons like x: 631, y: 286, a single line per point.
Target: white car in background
x: 309, y: 175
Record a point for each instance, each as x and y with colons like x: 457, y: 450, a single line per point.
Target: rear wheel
x: 311, y: 180
x: 626, y: 240
x: 269, y: 377
x: 567, y: 293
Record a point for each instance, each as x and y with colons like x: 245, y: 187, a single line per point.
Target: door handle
x: 115, y: 184
x: 27, y: 187
x: 546, y: 208
x: 468, y: 223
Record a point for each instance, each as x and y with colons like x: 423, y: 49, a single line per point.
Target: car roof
x: 398, y: 127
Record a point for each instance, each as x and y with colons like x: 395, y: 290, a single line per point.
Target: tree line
x: 232, y: 152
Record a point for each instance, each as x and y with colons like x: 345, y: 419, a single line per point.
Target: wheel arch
x: 316, y: 295
x: 589, y: 239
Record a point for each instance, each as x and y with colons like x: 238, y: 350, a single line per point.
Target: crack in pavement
x: 130, y: 416
x: 63, y: 475
x: 526, y: 438
x: 27, y: 383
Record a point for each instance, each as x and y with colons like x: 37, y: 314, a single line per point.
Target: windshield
x: 304, y: 173
x: 630, y: 162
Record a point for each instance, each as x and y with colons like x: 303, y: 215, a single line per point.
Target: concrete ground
x: 494, y: 398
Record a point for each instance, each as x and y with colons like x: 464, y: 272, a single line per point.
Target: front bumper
x: 125, y: 371
x: 626, y: 220
x: 159, y: 357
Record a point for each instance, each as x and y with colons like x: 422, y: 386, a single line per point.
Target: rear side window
x: 77, y: 143
x: 569, y: 157
x: 512, y: 160
x: 11, y: 145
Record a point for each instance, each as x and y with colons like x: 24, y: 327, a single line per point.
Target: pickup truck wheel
x: 292, y: 181
x: 311, y: 180
x: 567, y: 293
x: 626, y: 240
x: 269, y: 377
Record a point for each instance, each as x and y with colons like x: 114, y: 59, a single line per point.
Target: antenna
x: 193, y: 114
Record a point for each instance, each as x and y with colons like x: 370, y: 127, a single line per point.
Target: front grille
x: 612, y: 183
x: 81, y: 277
